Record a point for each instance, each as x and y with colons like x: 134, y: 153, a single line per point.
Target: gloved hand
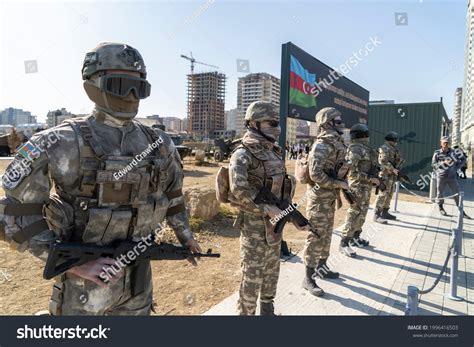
x: 342, y: 185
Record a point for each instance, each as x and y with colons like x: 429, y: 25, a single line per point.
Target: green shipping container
x: 419, y: 126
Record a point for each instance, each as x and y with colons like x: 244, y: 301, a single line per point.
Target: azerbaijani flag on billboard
x: 301, y: 82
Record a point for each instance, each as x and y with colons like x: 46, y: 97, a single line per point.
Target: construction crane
x: 194, y: 61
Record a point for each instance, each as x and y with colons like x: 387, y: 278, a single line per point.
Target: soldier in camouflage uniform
x: 106, y: 188
x: 258, y: 162
x: 389, y: 161
x: 326, y: 156
x: 362, y: 161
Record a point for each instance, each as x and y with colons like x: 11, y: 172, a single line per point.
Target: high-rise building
x: 467, y: 110
x: 56, y: 117
x: 255, y: 87
x: 16, y: 116
x: 292, y: 125
x: 302, y: 128
x: 313, y: 129
x: 230, y: 119
x: 206, y: 102
x: 456, y: 126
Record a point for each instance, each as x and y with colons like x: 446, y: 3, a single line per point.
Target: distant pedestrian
x: 293, y: 152
x: 446, y: 162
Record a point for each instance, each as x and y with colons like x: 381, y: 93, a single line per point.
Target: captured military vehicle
x: 223, y: 148
x: 177, y: 140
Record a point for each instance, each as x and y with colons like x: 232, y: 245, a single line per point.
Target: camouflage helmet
x: 391, y: 136
x: 326, y: 115
x: 359, y: 131
x: 260, y: 111
x: 113, y: 56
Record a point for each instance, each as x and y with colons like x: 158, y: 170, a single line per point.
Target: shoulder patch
x: 322, y: 146
x: 15, y: 173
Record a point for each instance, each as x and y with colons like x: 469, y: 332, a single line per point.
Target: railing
x: 454, y: 251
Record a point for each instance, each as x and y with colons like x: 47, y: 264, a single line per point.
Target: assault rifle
x: 289, y: 211
x: 348, y: 195
x: 65, y: 255
x: 401, y: 176
x: 374, y: 173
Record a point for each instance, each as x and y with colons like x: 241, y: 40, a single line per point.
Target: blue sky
x: 422, y: 61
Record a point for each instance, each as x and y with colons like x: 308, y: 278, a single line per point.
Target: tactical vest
x: 339, y: 167
x: 393, y: 157
x: 271, y: 173
x: 115, y: 196
x: 274, y: 171
x: 368, y: 163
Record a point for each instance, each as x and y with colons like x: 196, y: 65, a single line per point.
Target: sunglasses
x: 273, y: 123
x: 122, y: 85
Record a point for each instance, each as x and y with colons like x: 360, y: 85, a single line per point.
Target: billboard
x: 308, y: 85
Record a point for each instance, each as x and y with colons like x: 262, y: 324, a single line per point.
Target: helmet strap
x: 334, y: 127
x: 104, y: 97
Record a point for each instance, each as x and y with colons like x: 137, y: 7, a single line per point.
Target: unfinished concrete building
x: 206, y: 103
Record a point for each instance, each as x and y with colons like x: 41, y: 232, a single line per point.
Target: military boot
x: 441, y: 210
x: 378, y: 218
x: 267, y: 309
x: 323, y: 271
x: 309, y: 283
x: 345, y: 248
x: 358, y: 241
x: 387, y: 215
x: 465, y: 215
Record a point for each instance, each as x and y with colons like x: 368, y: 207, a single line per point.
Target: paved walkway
x: 409, y: 251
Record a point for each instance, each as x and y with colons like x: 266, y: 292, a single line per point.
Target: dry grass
x: 179, y: 288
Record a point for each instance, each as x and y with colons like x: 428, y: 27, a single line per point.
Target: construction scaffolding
x: 206, y: 103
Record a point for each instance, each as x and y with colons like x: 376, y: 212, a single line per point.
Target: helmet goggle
x: 273, y: 123
x: 122, y: 85
x: 338, y: 122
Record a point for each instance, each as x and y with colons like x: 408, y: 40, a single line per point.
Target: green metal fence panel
x: 419, y: 126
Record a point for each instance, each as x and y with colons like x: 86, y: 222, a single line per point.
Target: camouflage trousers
x: 384, y: 198
x: 75, y: 296
x: 320, y: 211
x: 260, y: 265
x: 357, y: 212
x: 441, y: 184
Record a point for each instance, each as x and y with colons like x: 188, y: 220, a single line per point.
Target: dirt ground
x: 179, y: 288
